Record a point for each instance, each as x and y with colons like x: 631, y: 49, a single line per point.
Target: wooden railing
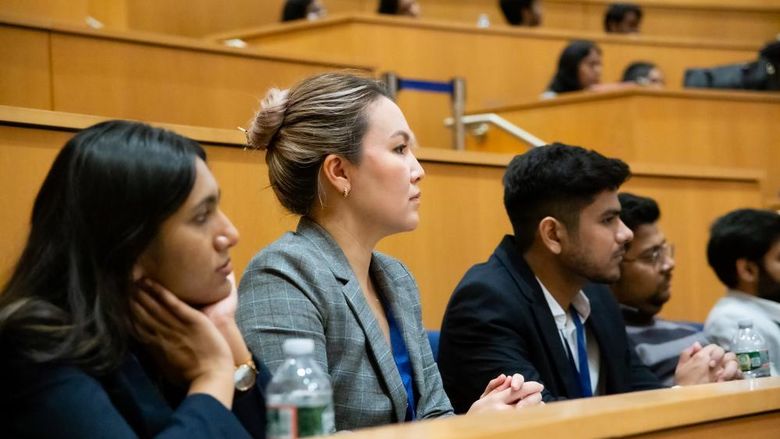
x: 736, y: 129
x: 137, y: 75
x: 501, y: 66
x: 754, y: 20
x: 736, y: 409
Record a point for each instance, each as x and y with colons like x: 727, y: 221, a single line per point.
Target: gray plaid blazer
x: 303, y: 286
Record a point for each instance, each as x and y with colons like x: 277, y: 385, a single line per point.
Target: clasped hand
x: 508, y: 392
x: 709, y: 364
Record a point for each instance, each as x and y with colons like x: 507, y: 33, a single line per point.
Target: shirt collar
x: 580, y: 303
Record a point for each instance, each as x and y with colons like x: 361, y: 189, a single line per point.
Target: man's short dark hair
x: 616, y: 13
x: 556, y: 180
x: 295, y: 9
x: 743, y: 233
x: 513, y: 10
x: 636, y: 211
x: 637, y: 70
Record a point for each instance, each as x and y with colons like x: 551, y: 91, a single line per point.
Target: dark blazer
x: 303, y: 286
x: 498, y: 321
x: 65, y: 402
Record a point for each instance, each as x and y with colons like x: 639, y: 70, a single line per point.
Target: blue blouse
x: 402, y: 362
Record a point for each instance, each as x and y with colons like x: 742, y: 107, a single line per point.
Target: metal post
x: 458, y: 109
x: 390, y: 79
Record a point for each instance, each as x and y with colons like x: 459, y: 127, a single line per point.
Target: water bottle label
x: 752, y: 360
x: 282, y: 422
x: 290, y: 422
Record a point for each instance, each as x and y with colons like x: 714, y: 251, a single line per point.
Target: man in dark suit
x: 536, y: 306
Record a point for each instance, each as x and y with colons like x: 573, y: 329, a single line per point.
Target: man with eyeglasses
x: 539, y: 304
x: 644, y: 288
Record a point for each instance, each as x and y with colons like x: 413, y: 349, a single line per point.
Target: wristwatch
x: 245, y: 376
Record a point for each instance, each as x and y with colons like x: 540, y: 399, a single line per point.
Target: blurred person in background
x: 622, y: 18
x: 522, y: 12
x: 409, y: 8
x: 300, y: 9
x: 645, y: 74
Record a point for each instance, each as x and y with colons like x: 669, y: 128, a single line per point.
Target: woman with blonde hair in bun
x: 340, y: 155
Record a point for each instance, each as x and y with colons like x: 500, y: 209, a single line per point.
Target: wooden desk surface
x: 635, y: 413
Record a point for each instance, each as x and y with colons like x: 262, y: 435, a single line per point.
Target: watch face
x: 244, y: 377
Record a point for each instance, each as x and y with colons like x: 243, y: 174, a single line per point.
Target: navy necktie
x: 582, y: 355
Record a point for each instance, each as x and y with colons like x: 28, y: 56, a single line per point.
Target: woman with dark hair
x: 409, y: 8
x: 341, y: 155
x: 118, y: 319
x: 300, y: 9
x: 579, y: 68
x: 522, y: 12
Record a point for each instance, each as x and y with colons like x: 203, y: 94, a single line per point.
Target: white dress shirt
x: 568, y: 332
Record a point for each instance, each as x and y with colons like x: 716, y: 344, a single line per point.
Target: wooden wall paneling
x: 113, y: 14
x: 753, y: 20
x: 735, y: 21
x: 701, y: 128
x: 101, y: 76
x: 734, y: 25
x: 565, y: 15
x: 25, y: 73
x: 140, y: 76
x: 25, y: 157
x: 195, y: 18
x: 72, y: 11
x: 496, y: 64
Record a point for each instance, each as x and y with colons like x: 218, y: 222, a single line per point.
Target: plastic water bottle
x: 751, y: 350
x: 483, y: 21
x: 299, y: 396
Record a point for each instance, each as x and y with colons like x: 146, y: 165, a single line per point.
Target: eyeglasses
x: 655, y: 256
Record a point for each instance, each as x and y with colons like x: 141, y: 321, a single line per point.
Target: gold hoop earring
x: 346, y: 191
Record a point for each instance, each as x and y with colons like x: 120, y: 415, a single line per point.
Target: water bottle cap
x: 298, y: 346
x: 744, y: 324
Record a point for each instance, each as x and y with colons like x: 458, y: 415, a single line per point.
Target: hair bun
x: 268, y: 119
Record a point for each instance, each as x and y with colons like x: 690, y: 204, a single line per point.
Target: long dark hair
x: 567, y: 79
x: 100, y: 206
x: 389, y: 7
x: 513, y: 10
x: 295, y: 9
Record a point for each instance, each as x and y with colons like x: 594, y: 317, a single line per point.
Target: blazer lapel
x: 397, y: 288
x: 597, y: 323
x: 548, y: 330
x: 378, y: 347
